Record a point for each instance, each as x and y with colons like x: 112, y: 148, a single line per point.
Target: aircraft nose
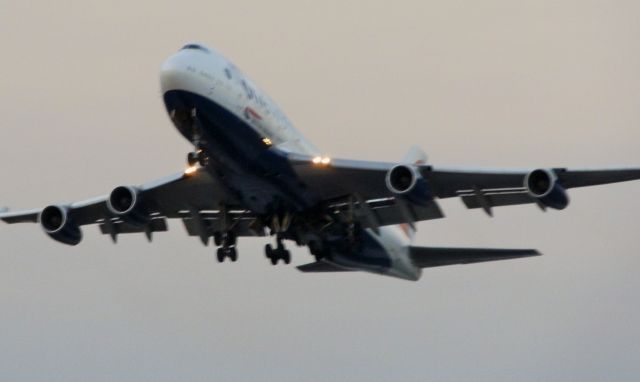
x: 175, y: 74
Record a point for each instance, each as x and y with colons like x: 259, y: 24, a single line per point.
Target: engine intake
x: 406, y: 181
x: 125, y: 202
x: 543, y: 185
x: 55, y: 221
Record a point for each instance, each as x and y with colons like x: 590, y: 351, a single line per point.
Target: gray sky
x: 491, y: 83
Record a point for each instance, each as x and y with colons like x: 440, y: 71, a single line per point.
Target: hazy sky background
x: 480, y: 83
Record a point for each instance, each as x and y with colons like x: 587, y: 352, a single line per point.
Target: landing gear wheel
x: 192, y: 159
x: 220, y: 255
x: 233, y: 254
x: 316, y: 250
x: 268, y: 251
x: 277, y: 254
x: 202, y: 158
x: 272, y: 254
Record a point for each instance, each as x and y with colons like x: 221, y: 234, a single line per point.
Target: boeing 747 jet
x: 251, y: 173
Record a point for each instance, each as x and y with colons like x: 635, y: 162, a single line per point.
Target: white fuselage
x: 204, y: 72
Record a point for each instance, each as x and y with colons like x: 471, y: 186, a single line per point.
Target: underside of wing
x: 426, y: 257
x: 477, y: 188
x: 495, y: 188
x: 195, y: 198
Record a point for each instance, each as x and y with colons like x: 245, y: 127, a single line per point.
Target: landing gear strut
x: 278, y: 253
x: 198, y: 156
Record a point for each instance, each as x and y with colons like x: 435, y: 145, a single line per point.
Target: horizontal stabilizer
x: 321, y: 266
x: 425, y: 257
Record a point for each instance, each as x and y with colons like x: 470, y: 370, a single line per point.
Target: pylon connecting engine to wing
x: 543, y: 185
x: 406, y: 181
x: 57, y: 223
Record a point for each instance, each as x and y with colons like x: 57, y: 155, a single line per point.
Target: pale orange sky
x: 491, y: 83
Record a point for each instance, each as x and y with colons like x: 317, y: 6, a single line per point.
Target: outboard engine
x: 407, y: 182
x: 55, y: 221
x: 543, y: 185
x: 125, y: 203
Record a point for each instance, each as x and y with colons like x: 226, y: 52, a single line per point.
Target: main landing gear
x: 227, y: 246
x: 278, y: 253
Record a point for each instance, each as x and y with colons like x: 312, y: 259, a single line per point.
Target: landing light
x: 321, y: 160
x: 267, y: 141
x: 190, y: 170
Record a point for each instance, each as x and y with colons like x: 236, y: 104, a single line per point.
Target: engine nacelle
x: 407, y: 182
x: 55, y: 221
x: 125, y: 203
x: 543, y: 185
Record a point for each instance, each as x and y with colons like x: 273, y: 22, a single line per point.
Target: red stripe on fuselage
x: 406, y: 228
x: 252, y: 113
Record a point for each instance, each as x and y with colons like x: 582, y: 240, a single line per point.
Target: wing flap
x: 426, y: 257
x: 240, y: 225
x: 116, y: 228
x: 482, y: 200
x: 384, y: 212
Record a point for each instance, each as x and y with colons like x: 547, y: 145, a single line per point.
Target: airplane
x: 252, y: 174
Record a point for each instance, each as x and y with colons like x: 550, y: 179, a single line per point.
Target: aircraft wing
x: 478, y: 188
x: 494, y: 188
x: 195, y: 198
x: 352, y: 190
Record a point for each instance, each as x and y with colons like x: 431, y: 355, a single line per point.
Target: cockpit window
x: 195, y: 47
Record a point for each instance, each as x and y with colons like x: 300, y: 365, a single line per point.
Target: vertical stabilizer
x: 415, y: 155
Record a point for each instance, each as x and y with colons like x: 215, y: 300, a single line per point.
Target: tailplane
x: 426, y: 257
x: 415, y: 155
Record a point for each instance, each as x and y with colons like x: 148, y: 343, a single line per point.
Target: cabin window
x: 195, y: 47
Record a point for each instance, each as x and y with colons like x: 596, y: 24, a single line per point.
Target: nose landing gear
x: 189, y: 123
x: 197, y: 157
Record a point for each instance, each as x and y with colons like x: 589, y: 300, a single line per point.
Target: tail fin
x: 415, y: 155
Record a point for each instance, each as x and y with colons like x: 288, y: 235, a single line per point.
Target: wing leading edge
x: 477, y: 188
x: 353, y: 189
x: 195, y: 198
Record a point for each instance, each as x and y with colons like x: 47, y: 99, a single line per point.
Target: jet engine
x: 407, y: 182
x: 125, y: 203
x: 543, y: 185
x: 55, y: 221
